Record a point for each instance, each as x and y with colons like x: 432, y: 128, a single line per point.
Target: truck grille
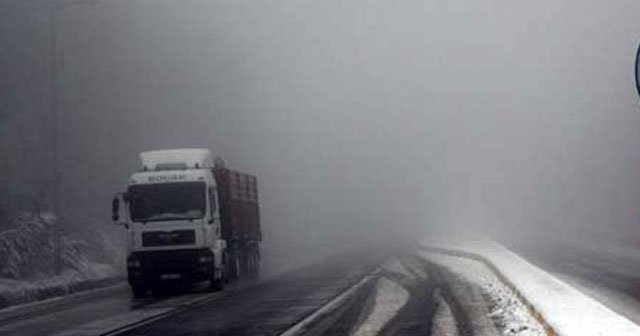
x: 164, y: 238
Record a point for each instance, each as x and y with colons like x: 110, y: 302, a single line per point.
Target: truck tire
x: 250, y: 264
x: 139, y: 291
x: 216, y: 284
x: 244, y: 263
x: 257, y: 265
x: 217, y: 281
x: 225, y: 267
x: 234, y: 269
x: 254, y: 270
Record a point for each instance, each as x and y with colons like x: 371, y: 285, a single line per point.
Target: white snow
x: 621, y: 303
x: 26, y: 262
x: 509, y: 313
x: 599, y: 264
x: 390, y: 298
x: 568, y: 311
x: 21, y: 291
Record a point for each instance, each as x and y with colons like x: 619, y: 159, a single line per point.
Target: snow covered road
x: 412, y: 294
x: 562, y: 308
x: 431, y: 294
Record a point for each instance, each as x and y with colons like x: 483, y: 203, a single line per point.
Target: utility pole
x: 57, y: 234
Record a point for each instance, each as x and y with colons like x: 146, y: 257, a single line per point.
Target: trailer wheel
x: 245, y: 263
x: 233, y: 267
x: 257, y: 268
x: 225, y: 267
x: 255, y: 264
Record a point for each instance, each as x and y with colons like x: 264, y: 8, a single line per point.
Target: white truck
x: 188, y: 219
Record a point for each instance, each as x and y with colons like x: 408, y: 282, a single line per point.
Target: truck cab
x: 172, y: 216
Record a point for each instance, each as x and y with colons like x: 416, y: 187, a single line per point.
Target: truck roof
x: 176, y: 159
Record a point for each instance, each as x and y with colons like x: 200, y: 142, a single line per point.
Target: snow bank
x: 508, y: 312
x: 563, y: 308
x: 26, y: 263
x: 14, y: 292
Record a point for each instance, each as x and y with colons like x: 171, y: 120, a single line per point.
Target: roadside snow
x: 509, y: 314
x: 605, y: 268
x: 27, y: 270
x: 390, y: 298
x: 14, y: 292
x: 621, y: 303
x: 26, y: 251
x: 567, y: 310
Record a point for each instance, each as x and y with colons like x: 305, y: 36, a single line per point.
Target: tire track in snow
x: 416, y: 317
x: 390, y: 297
x: 444, y: 323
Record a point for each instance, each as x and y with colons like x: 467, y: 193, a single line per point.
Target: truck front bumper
x: 148, y: 268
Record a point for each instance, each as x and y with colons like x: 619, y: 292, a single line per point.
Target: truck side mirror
x: 115, y: 209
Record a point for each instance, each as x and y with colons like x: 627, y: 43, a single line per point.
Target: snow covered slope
x: 26, y: 263
x: 16, y: 292
x: 565, y: 309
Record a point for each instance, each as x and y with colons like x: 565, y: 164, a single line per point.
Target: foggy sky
x: 363, y: 119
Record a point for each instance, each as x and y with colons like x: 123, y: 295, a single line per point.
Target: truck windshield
x: 167, y: 201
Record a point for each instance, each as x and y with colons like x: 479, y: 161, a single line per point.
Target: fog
x: 364, y: 121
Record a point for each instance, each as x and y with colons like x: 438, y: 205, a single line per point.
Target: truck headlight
x: 205, y: 259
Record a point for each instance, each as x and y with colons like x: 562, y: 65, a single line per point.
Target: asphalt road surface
x: 273, y: 308
x: 275, y: 305
x: 268, y: 305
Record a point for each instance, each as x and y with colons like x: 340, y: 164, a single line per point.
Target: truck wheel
x: 250, y: 264
x: 216, y: 284
x: 255, y: 265
x: 139, y: 291
x: 225, y: 267
x: 233, y: 267
x: 244, y: 263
